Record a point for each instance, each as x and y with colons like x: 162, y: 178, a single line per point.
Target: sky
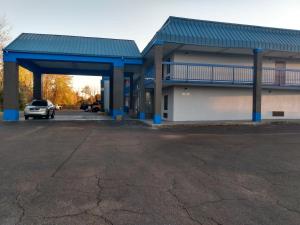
x: 138, y: 19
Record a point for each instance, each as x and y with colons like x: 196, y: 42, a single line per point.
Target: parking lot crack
x: 71, y: 154
x: 66, y: 215
x: 21, y: 207
x: 100, y: 189
x: 214, y: 221
x: 130, y: 211
x: 204, y: 162
x: 287, y: 208
x: 104, y: 218
x: 181, y: 204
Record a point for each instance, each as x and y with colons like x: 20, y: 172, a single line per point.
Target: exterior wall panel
x: 229, y: 59
x: 213, y: 104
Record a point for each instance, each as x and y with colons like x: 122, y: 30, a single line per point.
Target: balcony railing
x: 228, y: 74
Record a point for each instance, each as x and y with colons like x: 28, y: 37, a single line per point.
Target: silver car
x: 39, y: 108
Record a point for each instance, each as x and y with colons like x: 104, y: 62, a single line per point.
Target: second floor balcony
x: 227, y: 74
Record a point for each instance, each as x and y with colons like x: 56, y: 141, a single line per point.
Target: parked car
x: 96, y: 107
x: 84, y: 106
x: 39, y: 108
x: 58, y: 107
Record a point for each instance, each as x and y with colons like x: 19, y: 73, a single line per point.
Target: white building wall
x: 228, y: 103
x: 214, y: 103
x: 228, y: 59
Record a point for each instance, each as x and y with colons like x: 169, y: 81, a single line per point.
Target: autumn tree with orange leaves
x: 58, y: 89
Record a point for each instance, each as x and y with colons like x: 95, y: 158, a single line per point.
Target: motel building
x: 191, y: 70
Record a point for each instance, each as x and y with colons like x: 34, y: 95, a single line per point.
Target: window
x: 278, y: 113
x: 166, y: 102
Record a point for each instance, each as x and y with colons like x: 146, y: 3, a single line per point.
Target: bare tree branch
x: 4, y: 38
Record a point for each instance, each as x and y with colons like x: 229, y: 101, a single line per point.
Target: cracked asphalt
x: 103, y: 172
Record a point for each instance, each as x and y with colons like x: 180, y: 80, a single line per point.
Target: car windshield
x: 39, y: 103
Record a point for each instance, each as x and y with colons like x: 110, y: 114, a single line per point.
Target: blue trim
x: 157, y: 119
x: 117, y: 112
x: 11, y: 115
x: 157, y: 42
x: 142, y: 116
x: 14, y: 56
x: 258, y: 50
x: 256, y: 117
x: 119, y: 64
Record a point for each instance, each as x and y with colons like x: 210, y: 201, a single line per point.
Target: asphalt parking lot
x: 103, y: 172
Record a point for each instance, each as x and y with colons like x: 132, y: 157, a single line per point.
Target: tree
x: 4, y: 38
x: 86, y: 91
x: 25, y: 86
x: 58, y: 89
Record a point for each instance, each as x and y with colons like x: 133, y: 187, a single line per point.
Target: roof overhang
x: 71, y: 64
x: 170, y: 48
x: 185, y: 34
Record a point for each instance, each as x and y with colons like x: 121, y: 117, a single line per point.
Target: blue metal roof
x: 225, y: 35
x: 73, y: 45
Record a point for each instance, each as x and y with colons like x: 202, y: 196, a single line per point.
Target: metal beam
x: 29, y: 65
x: 15, y: 56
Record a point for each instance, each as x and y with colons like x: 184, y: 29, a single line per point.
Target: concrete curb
x: 219, y: 123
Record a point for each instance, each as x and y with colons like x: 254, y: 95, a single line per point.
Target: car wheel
x: 26, y: 117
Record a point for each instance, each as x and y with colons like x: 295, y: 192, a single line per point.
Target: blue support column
x: 118, y: 91
x: 11, y: 92
x: 111, y: 95
x: 158, y: 55
x: 257, y: 83
x: 142, y: 116
x: 37, y: 85
x: 142, y: 97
